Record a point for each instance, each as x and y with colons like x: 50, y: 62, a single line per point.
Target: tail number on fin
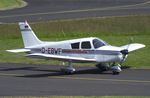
x: 51, y: 50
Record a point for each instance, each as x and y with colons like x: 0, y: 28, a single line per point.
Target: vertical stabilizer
x: 29, y: 38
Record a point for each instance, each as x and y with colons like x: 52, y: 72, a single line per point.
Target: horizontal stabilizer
x: 132, y: 47
x: 18, y: 50
x: 62, y: 58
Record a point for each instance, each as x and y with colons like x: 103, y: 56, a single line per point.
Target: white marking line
x: 6, y: 74
x: 96, y: 79
x: 75, y: 11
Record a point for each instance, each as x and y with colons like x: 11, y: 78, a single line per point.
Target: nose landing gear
x: 115, y: 68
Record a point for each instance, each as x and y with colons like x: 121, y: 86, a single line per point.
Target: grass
x: 11, y: 4
x: 114, y: 30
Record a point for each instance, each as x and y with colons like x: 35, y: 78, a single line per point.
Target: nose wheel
x: 116, y: 69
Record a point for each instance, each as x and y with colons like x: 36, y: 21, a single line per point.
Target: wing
x: 19, y: 50
x: 61, y: 58
x: 132, y: 47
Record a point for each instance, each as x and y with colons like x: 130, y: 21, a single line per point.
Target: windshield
x: 98, y: 43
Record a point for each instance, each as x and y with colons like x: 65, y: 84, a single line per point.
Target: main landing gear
x: 69, y: 69
x: 115, y: 68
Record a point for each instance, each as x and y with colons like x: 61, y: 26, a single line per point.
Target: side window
x: 86, y: 45
x: 75, y: 45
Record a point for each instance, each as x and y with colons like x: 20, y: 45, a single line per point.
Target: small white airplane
x: 90, y: 49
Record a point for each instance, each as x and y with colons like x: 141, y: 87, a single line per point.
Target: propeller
x: 125, y: 52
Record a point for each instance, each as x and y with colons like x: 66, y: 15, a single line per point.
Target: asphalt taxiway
x: 44, y: 80
x: 44, y: 10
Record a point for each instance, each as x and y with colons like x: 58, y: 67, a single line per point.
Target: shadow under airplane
x: 56, y: 72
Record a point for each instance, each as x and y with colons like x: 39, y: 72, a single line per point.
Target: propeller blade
x: 125, y: 52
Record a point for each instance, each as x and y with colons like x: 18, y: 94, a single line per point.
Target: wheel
x: 115, y: 73
x: 68, y: 70
x: 103, y: 67
x: 69, y: 73
x: 116, y: 70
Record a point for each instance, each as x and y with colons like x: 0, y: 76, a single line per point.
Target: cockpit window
x: 75, y: 45
x: 98, y: 43
x: 86, y: 45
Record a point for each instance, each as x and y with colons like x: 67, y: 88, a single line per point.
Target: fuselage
x: 88, y: 48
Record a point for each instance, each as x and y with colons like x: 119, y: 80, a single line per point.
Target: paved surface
x: 38, y: 80
x: 42, y: 80
x: 44, y: 10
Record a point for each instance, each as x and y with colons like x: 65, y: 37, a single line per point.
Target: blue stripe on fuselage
x: 102, y: 52
x: 79, y: 51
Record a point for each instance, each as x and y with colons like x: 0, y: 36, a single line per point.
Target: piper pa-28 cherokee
x: 89, y: 49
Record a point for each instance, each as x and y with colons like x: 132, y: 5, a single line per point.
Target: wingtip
x: 142, y: 45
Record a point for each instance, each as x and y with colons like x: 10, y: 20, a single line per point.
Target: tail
x: 29, y: 38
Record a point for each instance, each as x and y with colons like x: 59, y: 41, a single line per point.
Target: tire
x: 102, y: 67
x: 116, y: 73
